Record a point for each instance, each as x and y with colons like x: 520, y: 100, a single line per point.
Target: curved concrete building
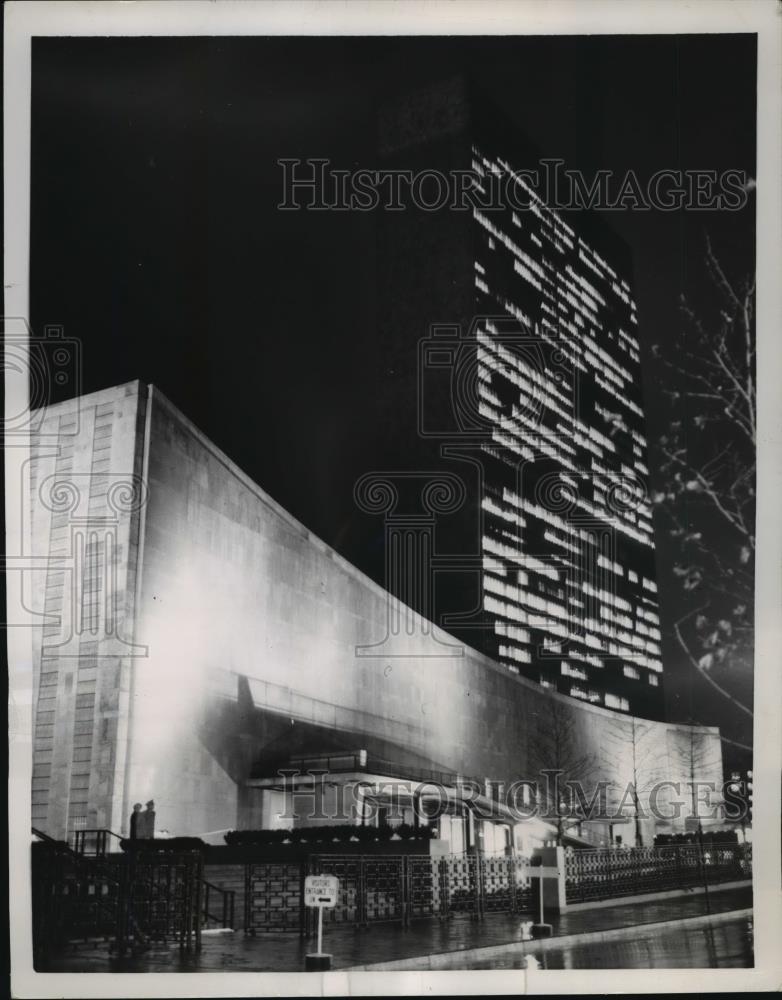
x: 197, y: 640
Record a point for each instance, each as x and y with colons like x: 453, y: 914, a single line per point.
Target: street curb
x: 442, y: 959
x: 651, y: 897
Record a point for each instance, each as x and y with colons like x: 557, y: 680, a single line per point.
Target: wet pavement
x: 724, y: 946
x: 285, y: 952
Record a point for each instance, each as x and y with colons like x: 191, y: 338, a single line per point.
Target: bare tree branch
x: 735, y: 743
x: 704, y: 673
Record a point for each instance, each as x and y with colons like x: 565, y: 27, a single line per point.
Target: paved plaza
x: 389, y: 943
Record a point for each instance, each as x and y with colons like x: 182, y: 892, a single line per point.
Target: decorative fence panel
x: 392, y: 887
x: 160, y: 899
x: 506, y: 885
x: 462, y: 884
x: 426, y: 892
x: 384, y: 888
x: 372, y: 888
x: 607, y: 874
x: 348, y: 869
x: 273, y: 896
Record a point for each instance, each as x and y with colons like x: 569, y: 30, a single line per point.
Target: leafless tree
x: 707, y: 465
x: 631, y: 750
x: 698, y: 758
x: 559, y: 763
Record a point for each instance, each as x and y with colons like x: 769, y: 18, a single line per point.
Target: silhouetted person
x: 149, y: 820
x: 136, y: 820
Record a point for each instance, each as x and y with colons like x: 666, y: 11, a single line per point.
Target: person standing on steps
x: 149, y: 820
x: 136, y: 822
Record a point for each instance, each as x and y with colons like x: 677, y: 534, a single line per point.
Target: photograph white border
x: 23, y: 20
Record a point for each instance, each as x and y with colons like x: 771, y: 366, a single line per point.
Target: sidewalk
x: 387, y: 943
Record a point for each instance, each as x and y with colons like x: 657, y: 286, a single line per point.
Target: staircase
x: 129, y: 898
x: 229, y: 879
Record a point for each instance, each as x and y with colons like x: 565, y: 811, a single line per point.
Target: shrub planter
x: 296, y: 852
x: 169, y: 845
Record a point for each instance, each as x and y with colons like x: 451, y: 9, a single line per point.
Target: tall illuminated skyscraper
x: 528, y: 339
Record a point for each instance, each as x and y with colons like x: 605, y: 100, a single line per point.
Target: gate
x: 160, y: 900
x: 372, y: 888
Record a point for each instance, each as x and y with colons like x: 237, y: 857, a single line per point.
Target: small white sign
x: 321, y: 890
x: 543, y: 871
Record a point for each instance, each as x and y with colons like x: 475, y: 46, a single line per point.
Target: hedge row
x: 327, y: 834
x: 711, y: 837
x: 168, y: 844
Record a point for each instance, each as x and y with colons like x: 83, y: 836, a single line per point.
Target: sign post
x: 320, y: 891
x: 540, y: 872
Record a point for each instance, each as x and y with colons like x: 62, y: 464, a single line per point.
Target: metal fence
x: 274, y: 896
x: 71, y: 899
x: 384, y: 888
x: 606, y: 874
x: 160, y: 900
x: 133, y: 899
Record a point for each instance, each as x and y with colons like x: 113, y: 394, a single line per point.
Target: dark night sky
x: 156, y: 240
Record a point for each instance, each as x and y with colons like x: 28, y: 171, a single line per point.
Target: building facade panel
x: 543, y: 395
x: 86, y: 494
x: 568, y: 543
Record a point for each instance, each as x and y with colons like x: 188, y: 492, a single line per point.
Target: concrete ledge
x: 650, y: 897
x: 445, y: 959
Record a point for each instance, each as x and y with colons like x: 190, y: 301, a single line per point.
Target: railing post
x: 445, y: 887
x: 247, y: 895
x: 123, y: 905
x: 479, y: 901
x: 303, y: 867
x: 186, y: 920
x: 362, y: 892
x: 199, y: 871
x: 406, y: 890
x: 570, y: 860
x: 702, y: 850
